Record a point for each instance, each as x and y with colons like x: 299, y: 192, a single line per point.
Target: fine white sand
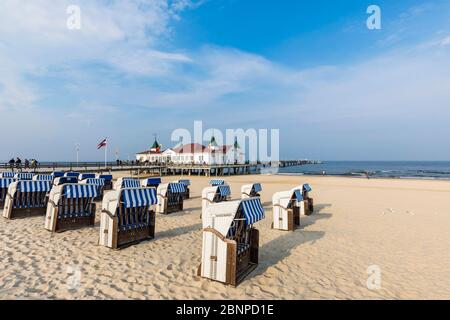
x: 401, y: 226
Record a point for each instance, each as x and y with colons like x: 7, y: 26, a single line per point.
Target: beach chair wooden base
x: 66, y: 224
x: 309, y: 206
x: 171, y: 208
x: 128, y: 238
x: 19, y: 213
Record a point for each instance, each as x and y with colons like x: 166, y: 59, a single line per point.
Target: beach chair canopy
x: 5, y: 182
x: 253, y: 210
x: 57, y: 174
x: 257, y: 187
x: 43, y: 177
x: 72, y: 174
x: 65, y: 180
x: 24, y: 176
x: 75, y: 191
x: 307, y: 187
x: 84, y: 176
x: 217, y: 182
x: 33, y: 186
x: 131, y: 183
x: 139, y: 197
x: 7, y: 175
x: 224, y: 190
x: 95, y: 181
x: 297, y: 195
x: 177, y: 187
x: 153, y: 181
x: 186, y: 182
x: 107, y: 177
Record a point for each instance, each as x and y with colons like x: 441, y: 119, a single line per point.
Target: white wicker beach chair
x: 287, y: 206
x: 25, y: 198
x: 71, y: 206
x: 170, y: 197
x: 127, y: 182
x: 215, y: 195
x: 251, y: 190
x: 128, y: 217
x: 230, y: 242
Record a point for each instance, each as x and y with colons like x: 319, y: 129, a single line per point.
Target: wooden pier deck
x: 160, y: 169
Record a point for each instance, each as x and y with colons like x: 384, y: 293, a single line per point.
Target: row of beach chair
x: 230, y: 242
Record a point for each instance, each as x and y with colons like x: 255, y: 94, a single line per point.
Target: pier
x: 163, y: 169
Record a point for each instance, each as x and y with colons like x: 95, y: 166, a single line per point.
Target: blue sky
x: 334, y: 88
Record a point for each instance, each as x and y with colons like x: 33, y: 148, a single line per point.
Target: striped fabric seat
x: 72, y: 174
x: 73, y: 191
x: 257, y: 187
x: 43, y: 177
x: 24, y: 176
x: 186, y: 182
x: 31, y: 194
x: 134, y: 211
x: 216, y: 182
x: 7, y: 175
x: 57, y: 174
x: 139, y: 197
x: 177, y: 188
x: 307, y: 187
x: 253, y: 210
x: 84, y: 176
x: 224, y: 191
x: 131, y: 183
x: 96, y: 182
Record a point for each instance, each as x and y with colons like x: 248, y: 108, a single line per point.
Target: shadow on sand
x: 279, y: 248
x: 175, y: 232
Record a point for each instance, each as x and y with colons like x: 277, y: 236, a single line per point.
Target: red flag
x: 102, y: 144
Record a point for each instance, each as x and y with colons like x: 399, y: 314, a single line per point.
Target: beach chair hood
x: 24, y: 176
x: 7, y: 175
x: 130, y: 197
x: 43, y: 177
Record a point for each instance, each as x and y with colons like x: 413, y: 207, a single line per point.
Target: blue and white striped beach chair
x: 24, y: 176
x: 128, y: 217
x: 215, y: 194
x: 187, y: 192
x: 84, y: 176
x: 251, y: 190
x: 127, y: 182
x: 108, y: 180
x: 72, y: 174
x: 71, y: 206
x: 153, y: 182
x: 100, y: 183
x: 26, y: 197
x: 230, y: 248
x: 7, y: 174
x: 64, y: 180
x: 43, y: 177
x: 170, y: 197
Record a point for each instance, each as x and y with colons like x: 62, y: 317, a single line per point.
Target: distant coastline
x: 439, y: 170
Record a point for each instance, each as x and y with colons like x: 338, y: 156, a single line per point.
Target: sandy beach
x: 401, y: 226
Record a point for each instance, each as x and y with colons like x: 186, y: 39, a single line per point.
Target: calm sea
x: 376, y: 169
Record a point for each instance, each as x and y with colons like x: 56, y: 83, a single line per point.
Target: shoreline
x: 293, y: 174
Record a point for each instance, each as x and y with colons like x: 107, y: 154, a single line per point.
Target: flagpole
x: 106, y: 152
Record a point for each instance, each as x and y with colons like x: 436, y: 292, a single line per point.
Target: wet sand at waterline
x: 401, y: 226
